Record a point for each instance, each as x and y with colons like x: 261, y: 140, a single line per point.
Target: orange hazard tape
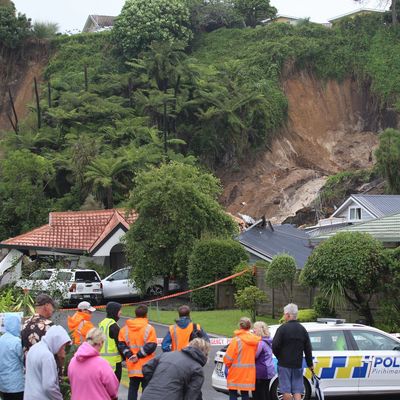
x: 170, y: 296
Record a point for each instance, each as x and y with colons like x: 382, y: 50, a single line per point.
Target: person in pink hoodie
x: 90, y: 376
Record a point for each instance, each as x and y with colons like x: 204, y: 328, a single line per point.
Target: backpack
x: 196, y: 333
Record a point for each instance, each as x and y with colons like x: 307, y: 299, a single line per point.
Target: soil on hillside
x: 331, y: 127
x: 18, y: 68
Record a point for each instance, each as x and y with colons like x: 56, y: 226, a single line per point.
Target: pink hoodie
x: 91, y: 376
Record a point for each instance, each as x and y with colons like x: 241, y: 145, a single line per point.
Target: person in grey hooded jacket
x: 41, y: 381
x: 176, y: 375
x: 11, y: 360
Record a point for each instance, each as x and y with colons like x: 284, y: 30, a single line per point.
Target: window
x: 328, y: 340
x: 41, y: 275
x: 354, y: 213
x: 64, y: 276
x: 120, y: 275
x: 369, y: 340
x: 86, y: 276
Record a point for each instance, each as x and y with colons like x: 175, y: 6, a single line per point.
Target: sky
x: 70, y: 15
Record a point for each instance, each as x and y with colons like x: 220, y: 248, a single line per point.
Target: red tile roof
x: 74, y: 230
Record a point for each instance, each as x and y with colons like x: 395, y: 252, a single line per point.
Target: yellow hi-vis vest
x: 109, y: 351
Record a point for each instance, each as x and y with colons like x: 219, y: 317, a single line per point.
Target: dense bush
x: 212, y: 259
x: 245, y: 280
x: 13, y: 28
x: 322, y: 307
x: 142, y: 22
x: 281, y: 274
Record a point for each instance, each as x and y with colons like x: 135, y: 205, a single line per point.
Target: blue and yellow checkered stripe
x: 339, y: 367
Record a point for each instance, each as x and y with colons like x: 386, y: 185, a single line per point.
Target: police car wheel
x: 277, y: 395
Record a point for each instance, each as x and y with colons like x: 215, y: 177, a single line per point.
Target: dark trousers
x: 233, y: 395
x: 262, y: 389
x: 13, y: 396
x: 118, y: 371
x: 134, y: 384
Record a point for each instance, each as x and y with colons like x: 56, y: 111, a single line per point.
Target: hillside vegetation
x: 216, y: 101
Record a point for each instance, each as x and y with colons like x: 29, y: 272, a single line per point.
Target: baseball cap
x: 42, y: 299
x: 85, y: 305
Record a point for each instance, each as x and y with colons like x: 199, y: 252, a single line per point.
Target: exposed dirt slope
x: 331, y: 127
x: 18, y: 68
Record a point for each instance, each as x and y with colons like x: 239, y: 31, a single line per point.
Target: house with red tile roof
x: 94, y: 234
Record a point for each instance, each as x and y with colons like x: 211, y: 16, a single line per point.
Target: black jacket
x: 176, y: 375
x: 291, y: 340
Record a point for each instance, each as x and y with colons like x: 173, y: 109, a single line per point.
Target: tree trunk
x: 166, y: 285
x: 110, y: 201
x: 394, y: 13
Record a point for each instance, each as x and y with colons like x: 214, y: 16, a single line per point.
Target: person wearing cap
x: 137, y: 341
x: 182, y: 332
x: 80, y: 323
x: 109, y: 351
x: 38, y: 324
x: 41, y: 379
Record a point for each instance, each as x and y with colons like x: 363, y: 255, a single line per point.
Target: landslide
x: 18, y: 68
x: 332, y: 126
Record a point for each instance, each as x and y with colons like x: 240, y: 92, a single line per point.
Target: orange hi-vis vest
x: 136, y: 333
x: 180, y: 337
x: 79, y: 324
x: 240, y: 358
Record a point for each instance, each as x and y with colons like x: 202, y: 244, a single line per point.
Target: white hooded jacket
x: 41, y: 381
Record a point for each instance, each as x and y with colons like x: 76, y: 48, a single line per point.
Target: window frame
x: 355, y: 208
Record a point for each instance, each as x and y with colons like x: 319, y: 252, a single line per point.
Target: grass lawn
x: 220, y: 322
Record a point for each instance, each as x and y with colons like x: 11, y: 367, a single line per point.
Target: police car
x: 350, y: 359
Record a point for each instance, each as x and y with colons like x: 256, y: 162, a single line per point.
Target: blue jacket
x: 11, y: 357
x: 182, y: 322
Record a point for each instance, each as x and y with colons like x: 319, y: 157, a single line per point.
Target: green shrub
x: 249, y: 298
x: 322, y: 307
x: 306, y: 315
x: 245, y: 280
x: 210, y: 260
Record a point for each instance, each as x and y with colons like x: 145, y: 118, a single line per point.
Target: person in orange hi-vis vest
x: 137, y: 341
x: 240, y: 360
x: 180, y: 334
x: 79, y: 324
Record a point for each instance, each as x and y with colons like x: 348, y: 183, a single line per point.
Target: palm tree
x: 101, y: 173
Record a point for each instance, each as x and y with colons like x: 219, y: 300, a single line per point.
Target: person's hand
x: 134, y: 358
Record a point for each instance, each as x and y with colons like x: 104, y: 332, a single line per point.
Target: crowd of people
x: 32, y: 357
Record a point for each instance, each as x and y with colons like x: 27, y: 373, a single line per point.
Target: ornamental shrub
x: 248, y: 299
x: 212, y: 259
x: 143, y: 21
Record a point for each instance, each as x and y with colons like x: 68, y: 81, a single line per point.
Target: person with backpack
x: 265, y: 369
x: 182, y: 332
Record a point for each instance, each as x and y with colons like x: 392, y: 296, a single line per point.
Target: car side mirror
x: 397, y: 348
x: 111, y: 279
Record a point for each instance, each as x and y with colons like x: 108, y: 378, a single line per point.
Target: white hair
x: 292, y: 310
x: 200, y: 344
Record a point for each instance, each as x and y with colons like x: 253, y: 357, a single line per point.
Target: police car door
x: 381, y: 355
x: 334, y: 362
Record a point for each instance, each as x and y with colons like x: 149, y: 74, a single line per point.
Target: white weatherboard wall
x: 105, y: 249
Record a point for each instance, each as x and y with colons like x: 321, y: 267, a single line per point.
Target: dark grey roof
x: 267, y: 243
x: 379, y: 204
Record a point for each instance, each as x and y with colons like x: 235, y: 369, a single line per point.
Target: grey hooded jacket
x: 176, y: 375
x: 41, y: 382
